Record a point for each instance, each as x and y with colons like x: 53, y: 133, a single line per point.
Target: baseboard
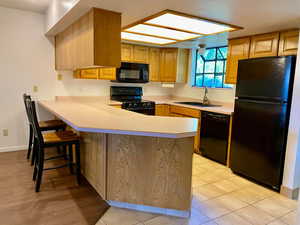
x: 290, y: 193
x: 150, y: 209
x: 13, y: 148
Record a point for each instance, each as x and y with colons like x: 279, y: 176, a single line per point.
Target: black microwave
x: 133, y: 73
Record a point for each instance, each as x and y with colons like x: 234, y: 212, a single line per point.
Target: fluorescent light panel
x: 189, y: 24
x: 162, y: 32
x: 145, y: 38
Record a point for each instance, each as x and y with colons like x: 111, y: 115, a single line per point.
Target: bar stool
x: 46, y: 125
x: 48, y: 140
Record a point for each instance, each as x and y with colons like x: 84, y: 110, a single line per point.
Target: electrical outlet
x: 35, y: 88
x: 59, y: 77
x: 5, y: 132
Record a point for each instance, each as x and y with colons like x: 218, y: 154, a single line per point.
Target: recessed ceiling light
x: 169, y: 27
x: 188, y: 24
x: 145, y: 39
x: 161, y: 32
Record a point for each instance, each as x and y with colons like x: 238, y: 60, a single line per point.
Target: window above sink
x: 211, y: 68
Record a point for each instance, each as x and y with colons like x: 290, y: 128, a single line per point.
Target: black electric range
x: 131, y: 98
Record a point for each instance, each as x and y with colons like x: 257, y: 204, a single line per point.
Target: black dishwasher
x: 214, y: 136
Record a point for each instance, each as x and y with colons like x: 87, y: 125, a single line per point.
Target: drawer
x: 185, y: 111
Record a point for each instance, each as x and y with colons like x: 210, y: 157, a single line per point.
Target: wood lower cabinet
x: 174, y: 64
x: 237, y: 49
x: 162, y: 110
x: 93, y: 160
x: 154, y: 64
x: 288, y: 44
x: 264, y: 45
x: 179, y: 111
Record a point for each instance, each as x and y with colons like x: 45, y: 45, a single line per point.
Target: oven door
x: 133, y: 73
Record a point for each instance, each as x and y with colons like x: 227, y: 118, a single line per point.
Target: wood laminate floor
x: 60, y: 202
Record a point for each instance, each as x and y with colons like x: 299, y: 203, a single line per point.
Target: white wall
x: 291, y: 176
x: 27, y: 59
x: 56, y: 10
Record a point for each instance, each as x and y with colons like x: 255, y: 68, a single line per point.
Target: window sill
x: 229, y: 88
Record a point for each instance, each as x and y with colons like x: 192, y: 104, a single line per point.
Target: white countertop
x: 93, y: 114
x: 224, y: 108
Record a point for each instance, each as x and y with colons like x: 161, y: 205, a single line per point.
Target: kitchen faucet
x: 205, y: 100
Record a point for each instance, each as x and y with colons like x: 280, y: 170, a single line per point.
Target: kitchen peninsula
x: 133, y: 160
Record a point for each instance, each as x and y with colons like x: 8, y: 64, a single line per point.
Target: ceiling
x: 256, y: 16
x: 38, y: 6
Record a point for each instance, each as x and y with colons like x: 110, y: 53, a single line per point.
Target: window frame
x: 215, y: 74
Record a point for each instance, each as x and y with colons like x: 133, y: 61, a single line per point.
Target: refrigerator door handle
x: 261, y: 102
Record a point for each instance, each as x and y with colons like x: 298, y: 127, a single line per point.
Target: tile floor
x: 219, y: 198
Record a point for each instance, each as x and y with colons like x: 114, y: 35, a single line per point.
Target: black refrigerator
x: 261, y: 118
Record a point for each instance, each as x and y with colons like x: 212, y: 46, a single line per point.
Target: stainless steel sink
x: 198, y: 104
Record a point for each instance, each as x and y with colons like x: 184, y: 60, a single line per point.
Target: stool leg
x: 65, y: 152
x: 70, y: 149
x: 35, y: 160
x: 34, y: 151
x: 78, y: 171
x: 40, y: 163
x: 30, y: 141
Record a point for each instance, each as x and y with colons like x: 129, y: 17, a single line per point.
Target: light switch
x: 5, y: 132
x: 35, y: 88
x: 59, y: 77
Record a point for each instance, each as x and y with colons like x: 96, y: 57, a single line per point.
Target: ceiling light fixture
x: 168, y: 27
x: 145, y: 39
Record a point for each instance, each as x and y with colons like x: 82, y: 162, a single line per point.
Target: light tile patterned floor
x: 219, y: 198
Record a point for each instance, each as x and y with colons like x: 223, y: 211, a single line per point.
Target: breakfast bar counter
x: 133, y: 160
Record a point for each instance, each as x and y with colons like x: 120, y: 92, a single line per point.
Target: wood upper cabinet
x: 168, y: 64
x: 237, y: 49
x: 154, y: 64
x: 134, y: 53
x: 264, y: 45
x: 96, y: 73
x: 107, y: 73
x: 92, y: 40
x: 89, y: 73
x: 140, y: 54
x: 288, y: 44
x: 174, y: 65
x: 126, y: 52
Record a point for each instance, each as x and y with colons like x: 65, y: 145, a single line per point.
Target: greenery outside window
x: 211, y: 68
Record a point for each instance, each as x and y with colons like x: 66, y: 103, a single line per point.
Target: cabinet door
x: 182, y: 65
x: 89, y: 73
x: 264, y: 45
x: 126, y: 52
x: 107, y: 74
x: 169, y: 65
x: 58, y: 51
x: 154, y: 64
x: 140, y: 54
x: 161, y: 110
x: 237, y: 49
x: 288, y: 44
